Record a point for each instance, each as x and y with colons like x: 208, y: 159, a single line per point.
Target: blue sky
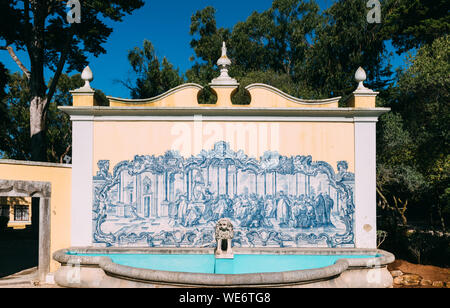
x: 166, y: 25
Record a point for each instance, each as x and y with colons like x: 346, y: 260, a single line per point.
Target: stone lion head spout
x: 224, y: 234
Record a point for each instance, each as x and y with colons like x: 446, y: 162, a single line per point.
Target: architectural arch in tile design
x: 173, y: 201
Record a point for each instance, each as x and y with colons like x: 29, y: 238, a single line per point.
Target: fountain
x: 277, y: 193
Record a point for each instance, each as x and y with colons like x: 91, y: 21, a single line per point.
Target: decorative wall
x: 174, y: 201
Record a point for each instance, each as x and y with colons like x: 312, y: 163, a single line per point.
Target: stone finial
x: 87, y: 76
x: 224, y: 79
x: 362, y: 97
x: 360, y: 77
x: 224, y: 61
x: 84, y: 96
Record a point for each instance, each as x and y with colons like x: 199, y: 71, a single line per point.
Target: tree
x: 153, y: 77
x: 4, y: 120
x: 414, y: 140
x: 319, y: 53
x: 207, y: 42
x: 340, y: 45
x: 414, y: 23
x: 17, y: 141
x: 276, y: 39
x: 423, y: 99
x: 16, y: 145
x: 399, y: 182
x: 268, y: 45
x: 41, y: 29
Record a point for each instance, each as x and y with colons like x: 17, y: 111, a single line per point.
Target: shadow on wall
x: 18, y: 251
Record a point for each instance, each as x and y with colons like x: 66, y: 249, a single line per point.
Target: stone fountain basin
x: 101, y: 272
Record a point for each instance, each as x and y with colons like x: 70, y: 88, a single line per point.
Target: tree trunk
x: 441, y: 218
x: 38, y: 87
x: 40, y: 95
x: 37, y: 129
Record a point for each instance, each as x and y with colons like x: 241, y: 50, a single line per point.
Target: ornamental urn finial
x: 87, y: 76
x: 362, y: 97
x: 224, y: 79
x: 224, y: 61
x: 360, y: 77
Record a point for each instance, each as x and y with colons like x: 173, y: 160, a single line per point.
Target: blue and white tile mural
x: 172, y: 201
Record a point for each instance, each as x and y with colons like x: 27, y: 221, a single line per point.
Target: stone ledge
x: 104, y: 264
x: 25, y: 188
x: 33, y: 163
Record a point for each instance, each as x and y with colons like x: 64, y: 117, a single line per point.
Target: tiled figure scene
x: 173, y: 201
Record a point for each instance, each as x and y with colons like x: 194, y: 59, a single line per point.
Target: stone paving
x: 24, y: 279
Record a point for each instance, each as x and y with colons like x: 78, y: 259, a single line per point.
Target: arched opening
x: 241, y: 96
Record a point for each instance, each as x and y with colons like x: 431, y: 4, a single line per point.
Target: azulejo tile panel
x: 173, y: 201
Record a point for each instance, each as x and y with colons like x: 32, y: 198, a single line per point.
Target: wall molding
x: 300, y: 101
x: 33, y: 163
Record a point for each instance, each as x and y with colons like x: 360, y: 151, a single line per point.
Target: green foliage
x: 276, y: 39
x: 298, y: 49
x: 59, y: 128
x: 41, y: 29
x: 414, y: 23
x: 397, y: 174
x: 207, y: 38
x: 316, y: 54
x: 424, y: 99
x: 17, y: 143
x: 24, y: 27
x: 342, y: 43
x: 207, y: 96
x: 207, y: 42
x: 309, y: 54
x: 241, y: 96
x: 153, y: 77
x: 272, y: 41
x: 4, y: 120
x: 414, y: 140
x: 421, y: 247
x: 100, y: 98
x: 282, y: 81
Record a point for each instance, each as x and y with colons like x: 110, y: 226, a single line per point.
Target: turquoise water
x: 241, y: 264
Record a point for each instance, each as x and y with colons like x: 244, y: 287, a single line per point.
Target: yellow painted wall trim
x: 263, y: 96
x: 83, y: 97
x: 184, y: 95
x: 33, y: 163
x: 223, y: 94
x: 363, y: 99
